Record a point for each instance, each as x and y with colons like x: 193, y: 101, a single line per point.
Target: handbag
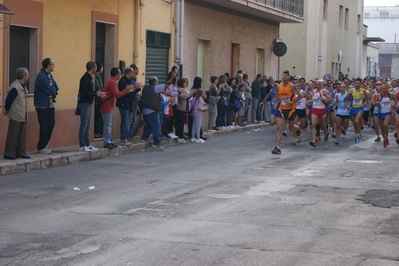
x: 77, y: 110
x: 99, y: 101
x: 237, y: 104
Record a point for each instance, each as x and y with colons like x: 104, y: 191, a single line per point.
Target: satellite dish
x: 279, y: 47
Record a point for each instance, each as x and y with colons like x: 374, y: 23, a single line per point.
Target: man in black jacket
x: 86, y: 97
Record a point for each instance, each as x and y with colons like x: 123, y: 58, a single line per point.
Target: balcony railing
x: 294, y: 7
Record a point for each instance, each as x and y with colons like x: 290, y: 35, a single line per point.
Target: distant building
x: 382, y: 21
x: 389, y: 60
x: 329, y: 41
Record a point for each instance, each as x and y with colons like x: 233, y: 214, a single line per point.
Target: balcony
x: 280, y: 11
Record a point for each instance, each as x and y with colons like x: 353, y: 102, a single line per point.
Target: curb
x: 65, y: 155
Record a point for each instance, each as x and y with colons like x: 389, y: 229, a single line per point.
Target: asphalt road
x: 228, y: 201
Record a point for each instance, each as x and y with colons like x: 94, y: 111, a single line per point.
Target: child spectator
x: 166, y: 115
x: 197, y: 109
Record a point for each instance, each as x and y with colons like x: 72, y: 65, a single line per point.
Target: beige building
x: 72, y: 32
x: 219, y: 36
x: 329, y: 41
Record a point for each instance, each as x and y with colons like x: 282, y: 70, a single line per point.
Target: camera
x: 175, y: 69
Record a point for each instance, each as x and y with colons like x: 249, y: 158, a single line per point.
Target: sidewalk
x: 71, y: 155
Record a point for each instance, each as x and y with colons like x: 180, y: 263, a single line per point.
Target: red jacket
x: 111, y: 88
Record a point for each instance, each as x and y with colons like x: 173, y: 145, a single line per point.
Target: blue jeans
x: 151, y: 127
x: 246, y: 108
x: 85, y: 113
x: 196, y: 131
x: 107, y: 128
x: 125, y: 123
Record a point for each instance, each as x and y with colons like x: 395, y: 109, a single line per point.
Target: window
x: 157, y: 55
x: 325, y: 9
x: 359, y: 23
x: 341, y: 16
x: 346, y: 18
x: 23, y: 52
x: 366, y: 15
x: 384, y: 14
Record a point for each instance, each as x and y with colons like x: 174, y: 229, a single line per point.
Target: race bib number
x: 285, y: 101
x: 386, y: 104
x: 342, y: 110
x: 357, y: 101
x: 316, y: 101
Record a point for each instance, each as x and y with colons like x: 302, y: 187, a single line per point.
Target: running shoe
x: 395, y: 135
x: 373, y: 126
x: 343, y: 131
x: 337, y: 141
x: 312, y: 143
x: 318, y: 139
x: 297, y: 141
x: 333, y: 136
x: 386, y: 143
x: 276, y: 151
x: 356, y: 140
x: 391, y: 129
x: 284, y: 134
x: 397, y: 141
x: 326, y: 137
x: 378, y: 139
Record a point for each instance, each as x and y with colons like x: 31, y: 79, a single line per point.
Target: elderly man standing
x: 45, y: 92
x: 16, y: 110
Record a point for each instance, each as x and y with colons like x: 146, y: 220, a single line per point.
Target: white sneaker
x: 193, y: 140
x: 92, y: 148
x: 44, y: 151
x: 125, y: 142
x: 85, y: 149
x: 172, y: 135
x: 199, y: 141
x: 180, y: 141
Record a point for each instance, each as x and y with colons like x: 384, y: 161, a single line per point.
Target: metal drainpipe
x: 181, y: 35
x: 136, y: 33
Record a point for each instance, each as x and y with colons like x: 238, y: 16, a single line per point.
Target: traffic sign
x: 328, y: 77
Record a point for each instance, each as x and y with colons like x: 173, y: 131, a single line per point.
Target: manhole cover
x: 381, y: 198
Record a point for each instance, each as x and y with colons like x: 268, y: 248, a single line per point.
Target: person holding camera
x: 174, y: 92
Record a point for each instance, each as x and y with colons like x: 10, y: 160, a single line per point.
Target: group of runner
x: 325, y: 105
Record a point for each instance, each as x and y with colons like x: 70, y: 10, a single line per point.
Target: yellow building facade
x: 73, y: 32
